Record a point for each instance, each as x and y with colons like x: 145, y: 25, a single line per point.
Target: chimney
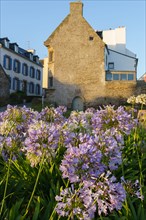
x: 76, y: 8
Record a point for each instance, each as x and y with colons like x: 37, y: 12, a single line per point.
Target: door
x: 78, y: 104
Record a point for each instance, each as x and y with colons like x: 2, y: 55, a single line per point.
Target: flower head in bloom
x: 53, y: 115
x: 131, y: 100
x: 20, y: 117
x: 79, y: 203
x: 132, y: 188
x: 102, y: 196
x: 108, y: 118
x: 42, y: 139
x: 141, y: 99
x: 82, y: 162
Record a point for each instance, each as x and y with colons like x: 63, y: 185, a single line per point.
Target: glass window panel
x: 116, y: 77
x: 111, y: 65
x: 123, y: 76
x: 130, y: 76
x: 108, y: 76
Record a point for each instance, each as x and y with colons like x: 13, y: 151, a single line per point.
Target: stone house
x: 83, y: 71
x: 4, y: 86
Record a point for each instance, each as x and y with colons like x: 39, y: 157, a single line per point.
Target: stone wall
x: 4, y: 86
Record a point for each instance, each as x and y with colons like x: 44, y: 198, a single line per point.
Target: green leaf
x: 14, y: 211
x: 37, y: 209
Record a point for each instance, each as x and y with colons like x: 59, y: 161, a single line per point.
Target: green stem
x: 35, y: 185
x: 126, y: 203
x: 6, y: 184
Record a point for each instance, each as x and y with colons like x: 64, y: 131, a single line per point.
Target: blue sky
x: 30, y: 22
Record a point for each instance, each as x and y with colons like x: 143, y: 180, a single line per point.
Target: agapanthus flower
x: 82, y: 162
x: 132, y: 188
x: 20, y: 117
x: 131, y: 100
x: 108, y: 118
x: 53, y: 115
x: 10, y: 147
x: 141, y: 99
x: 102, y: 196
x: 42, y: 139
x: 79, y: 203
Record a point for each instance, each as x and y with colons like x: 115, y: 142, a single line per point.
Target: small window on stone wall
x: 51, y: 81
x: 51, y: 56
x: 91, y: 38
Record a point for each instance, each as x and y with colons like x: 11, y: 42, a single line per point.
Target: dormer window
x: 36, y: 59
x: 6, y: 42
x: 16, y: 48
x: 30, y: 56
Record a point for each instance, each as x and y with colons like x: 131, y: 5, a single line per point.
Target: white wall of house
x: 115, y: 37
x: 121, y: 62
x: 14, y: 55
x: 123, y: 59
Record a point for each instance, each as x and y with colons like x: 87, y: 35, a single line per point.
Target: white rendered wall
x: 20, y: 76
x: 121, y: 62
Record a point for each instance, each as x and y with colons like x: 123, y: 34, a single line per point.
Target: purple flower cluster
x: 53, y: 115
x: 13, y: 127
x: 105, y: 193
x: 42, y: 138
x: 94, y: 141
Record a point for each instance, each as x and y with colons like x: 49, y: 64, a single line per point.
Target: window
x: 31, y: 87
x: 16, y: 66
x: 51, y: 55
x: 24, y: 86
x: 38, y: 74
x: 130, y: 76
x: 32, y: 72
x: 123, y: 76
x: 51, y: 81
x: 7, y: 62
x: 110, y: 66
x: 91, y: 38
x: 16, y: 84
x: 108, y: 76
x: 38, y: 89
x: 25, y: 69
x: 116, y: 77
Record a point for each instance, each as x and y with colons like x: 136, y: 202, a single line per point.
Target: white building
x: 120, y: 63
x: 23, y: 68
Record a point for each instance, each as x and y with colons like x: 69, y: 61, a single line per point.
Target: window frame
x: 16, y: 66
x: 38, y: 89
x: 111, y: 65
x: 7, y: 65
x: 51, y: 82
x: 31, y: 88
x: 38, y: 74
x: 32, y: 74
x: 25, y: 67
x: 51, y: 56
